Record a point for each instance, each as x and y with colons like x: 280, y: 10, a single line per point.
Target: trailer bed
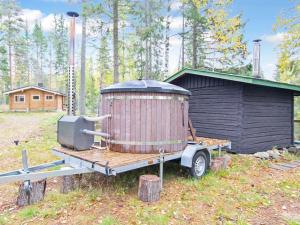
x: 111, y: 163
x: 105, y: 161
x: 110, y: 158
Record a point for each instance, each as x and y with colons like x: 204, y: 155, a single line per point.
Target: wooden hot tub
x: 146, y: 116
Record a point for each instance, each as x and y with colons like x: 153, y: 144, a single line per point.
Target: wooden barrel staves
x: 146, y: 115
x: 149, y: 188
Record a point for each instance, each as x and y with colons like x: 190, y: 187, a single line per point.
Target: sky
x: 259, y: 15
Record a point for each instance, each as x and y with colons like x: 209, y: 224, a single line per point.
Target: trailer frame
x: 76, y: 165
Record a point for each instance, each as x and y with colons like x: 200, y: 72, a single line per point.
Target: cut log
x: 149, y: 188
x: 70, y: 183
x: 219, y: 163
x: 33, y: 194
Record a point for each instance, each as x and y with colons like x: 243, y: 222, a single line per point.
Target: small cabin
x: 34, y: 98
x: 255, y: 114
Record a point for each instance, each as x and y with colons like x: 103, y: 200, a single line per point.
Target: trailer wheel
x: 199, y: 165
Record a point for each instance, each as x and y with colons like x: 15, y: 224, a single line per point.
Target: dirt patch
x: 19, y: 126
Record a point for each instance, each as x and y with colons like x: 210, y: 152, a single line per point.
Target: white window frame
x: 49, y: 99
x: 19, y: 98
x: 36, y: 100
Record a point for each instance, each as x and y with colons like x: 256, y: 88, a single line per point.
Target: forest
x: 129, y: 39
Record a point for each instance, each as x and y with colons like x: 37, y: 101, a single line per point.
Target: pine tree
x: 60, y: 52
x: 148, y: 25
x: 40, y: 46
x: 11, y: 27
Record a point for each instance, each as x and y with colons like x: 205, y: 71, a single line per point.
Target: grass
x: 232, y: 196
x: 109, y: 220
x: 29, y: 212
x: 3, y: 220
x: 293, y: 222
x: 42, y: 142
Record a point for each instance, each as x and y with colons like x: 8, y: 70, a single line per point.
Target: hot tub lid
x: 145, y: 86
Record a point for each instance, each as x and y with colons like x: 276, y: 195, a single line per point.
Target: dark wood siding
x: 267, y: 116
x: 215, y: 107
x: 254, y: 118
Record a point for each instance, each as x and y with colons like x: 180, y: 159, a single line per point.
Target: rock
x: 294, y: 150
x: 274, y: 154
x: 262, y: 155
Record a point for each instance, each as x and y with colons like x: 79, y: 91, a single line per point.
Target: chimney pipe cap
x: 72, y: 14
x: 257, y: 40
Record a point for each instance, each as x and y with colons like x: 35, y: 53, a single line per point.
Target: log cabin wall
x: 253, y: 117
x: 214, y: 107
x: 35, y: 100
x: 267, y: 118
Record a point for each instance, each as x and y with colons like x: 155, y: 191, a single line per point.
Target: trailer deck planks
x: 111, y: 162
x: 108, y: 162
x: 102, y: 157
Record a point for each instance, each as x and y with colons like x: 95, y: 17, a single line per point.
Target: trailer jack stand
x: 161, y: 167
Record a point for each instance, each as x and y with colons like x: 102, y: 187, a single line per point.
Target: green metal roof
x: 234, y: 77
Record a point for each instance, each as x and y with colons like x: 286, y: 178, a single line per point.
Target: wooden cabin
x: 255, y: 114
x: 34, y: 98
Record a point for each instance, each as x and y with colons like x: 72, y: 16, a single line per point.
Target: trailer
x: 196, y: 156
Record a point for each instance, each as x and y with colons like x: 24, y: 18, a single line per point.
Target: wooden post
x: 149, y: 188
x: 32, y: 194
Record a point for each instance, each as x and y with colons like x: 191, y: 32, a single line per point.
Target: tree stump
x: 69, y: 183
x: 219, y: 163
x: 149, y: 188
x: 34, y: 194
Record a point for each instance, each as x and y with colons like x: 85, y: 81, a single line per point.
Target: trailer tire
x: 199, y: 165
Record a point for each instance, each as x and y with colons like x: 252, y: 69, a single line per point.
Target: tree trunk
x: 149, y: 188
x: 147, y: 44
x: 167, y: 41
x: 194, y: 47
x: 35, y: 194
x: 116, y: 40
x: 50, y: 68
x: 183, y: 37
x: 10, y: 65
x: 82, y: 77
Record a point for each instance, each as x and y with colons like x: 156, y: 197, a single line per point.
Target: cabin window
x: 35, y: 97
x: 19, y: 98
x: 49, y: 97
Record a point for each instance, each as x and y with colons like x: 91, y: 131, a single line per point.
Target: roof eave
x: 234, y: 77
x: 32, y: 87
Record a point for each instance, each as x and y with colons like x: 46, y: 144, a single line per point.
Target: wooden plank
x: 128, y: 122
x: 115, y: 159
x: 192, y: 129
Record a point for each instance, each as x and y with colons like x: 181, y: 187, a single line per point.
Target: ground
x: 247, y: 193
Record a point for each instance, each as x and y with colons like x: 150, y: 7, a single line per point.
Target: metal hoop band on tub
x: 168, y: 142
